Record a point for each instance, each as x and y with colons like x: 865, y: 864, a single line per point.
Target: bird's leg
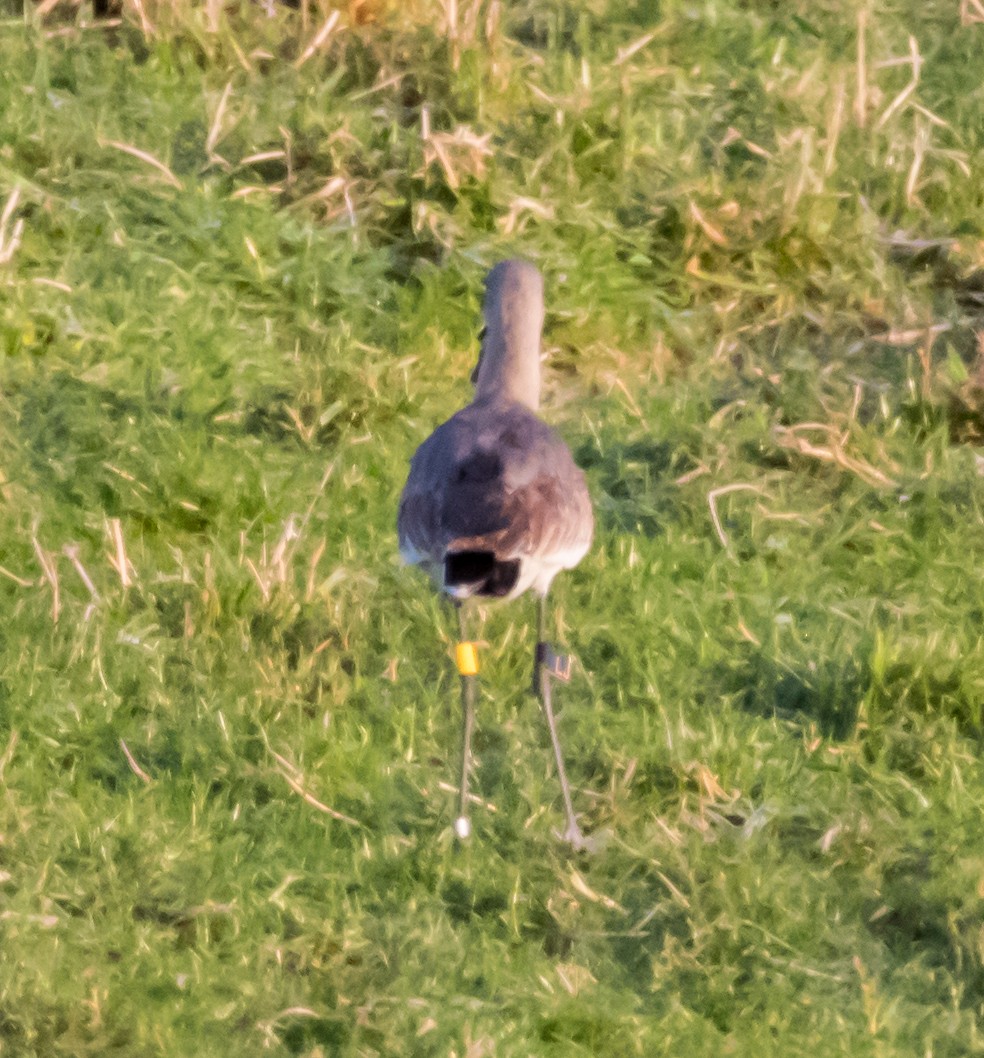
x: 550, y: 664
x: 546, y: 661
x: 467, y: 658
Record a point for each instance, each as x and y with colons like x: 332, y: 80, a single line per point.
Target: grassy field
x: 241, y: 260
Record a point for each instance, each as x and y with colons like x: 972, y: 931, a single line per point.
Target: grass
x: 241, y: 263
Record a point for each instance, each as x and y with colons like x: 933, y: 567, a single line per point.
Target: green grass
x: 239, y: 286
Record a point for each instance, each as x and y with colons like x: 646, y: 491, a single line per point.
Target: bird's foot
x: 573, y: 836
x: 579, y: 842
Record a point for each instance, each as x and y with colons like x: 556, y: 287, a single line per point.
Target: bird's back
x: 494, y: 484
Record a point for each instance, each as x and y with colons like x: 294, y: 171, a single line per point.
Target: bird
x: 495, y: 505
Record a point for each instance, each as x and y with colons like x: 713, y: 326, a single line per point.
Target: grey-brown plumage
x: 494, y: 504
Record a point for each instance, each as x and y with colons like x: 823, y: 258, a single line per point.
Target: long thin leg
x: 549, y: 664
x: 468, y: 670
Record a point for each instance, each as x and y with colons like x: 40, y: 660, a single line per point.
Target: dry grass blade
x: 626, y: 53
x: 270, y: 571
x: 213, y: 14
x: 835, y: 123
x: 521, y: 209
x: 473, y: 798
x: 263, y: 156
x: 711, y: 231
x: 920, y: 144
x: 630, y: 400
x: 331, y: 189
x: 146, y: 26
x: 71, y: 552
x: 50, y: 575
x: 712, y: 498
x: 861, y: 70
x: 55, y: 284
x: 451, y: 28
x: 8, y: 754
x: 309, y: 590
x: 285, y: 770
x: 912, y: 335
x: 21, y: 581
x: 118, y: 558
x: 216, y: 132
x: 462, y: 152
x: 132, y: 762
x: 319, y: 39
x: 832, y: 452
x: 915, y: 60
x: 581, y: 887
x: 10, y: 238
x: 269, y: 1028
x: 143, y: 156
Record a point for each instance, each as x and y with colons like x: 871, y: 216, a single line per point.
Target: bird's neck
x: 510, y: 364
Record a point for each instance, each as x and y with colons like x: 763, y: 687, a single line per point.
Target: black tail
x: 482, y: 571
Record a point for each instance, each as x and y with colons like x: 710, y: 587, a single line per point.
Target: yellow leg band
x: 466, y: 655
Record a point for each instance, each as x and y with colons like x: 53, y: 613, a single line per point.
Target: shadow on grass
x: 923, y: 916
x: 829, y: 692
x: 631, y: 483
x: 306, y: 1033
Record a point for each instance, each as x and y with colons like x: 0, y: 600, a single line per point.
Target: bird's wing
x: 494, y: 479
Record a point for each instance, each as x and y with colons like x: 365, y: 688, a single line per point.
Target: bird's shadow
x: 631, y: 482
x: 827, y: 693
